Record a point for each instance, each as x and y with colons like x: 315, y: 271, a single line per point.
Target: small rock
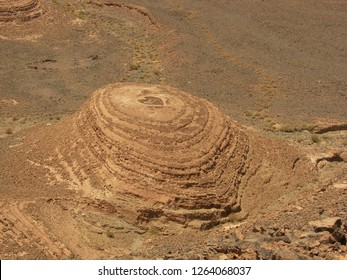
x: 227, y: 249
x: 285, y: 255
x: 237, y: 235
x: 331, y: 239
x: 328, y: 224
x: 280, y: 232
x: 94, y: 56
x: 343, y: 156
x: 315, y: 252
x: 264, y: 254
x: 302, y: 235
x: 314, y: 244
x: 277, y: 126
x: 326, y: 238
x: 281, y: 238
x: 339, y: 236
x: 223, y: 257
x: 309, y: 244
x: 258, y: 229
x: 195, y: 257
x: 340, y: 186
x: 253, y: 238
x: 322, y: 190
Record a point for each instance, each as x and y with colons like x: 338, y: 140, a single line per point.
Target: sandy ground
x: 276, y: 69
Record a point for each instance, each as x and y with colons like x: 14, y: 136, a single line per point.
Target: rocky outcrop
x: 160, y: 154
x: 166, y: 148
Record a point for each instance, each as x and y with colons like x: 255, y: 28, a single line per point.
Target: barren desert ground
x: 204, y: 129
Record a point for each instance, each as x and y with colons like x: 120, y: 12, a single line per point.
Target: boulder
x: 328, y: 224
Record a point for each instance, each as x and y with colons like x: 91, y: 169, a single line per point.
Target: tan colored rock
x: 340, y: 185
x: 328, y: 224
x: 237, y: 235
x: 328, y: 125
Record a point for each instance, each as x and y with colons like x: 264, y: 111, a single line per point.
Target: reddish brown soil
x: 108, y: 150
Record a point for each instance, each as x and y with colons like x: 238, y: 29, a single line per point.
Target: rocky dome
x: 154, y: 152
x: 166, y: 148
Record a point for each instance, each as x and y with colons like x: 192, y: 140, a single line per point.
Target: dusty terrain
x: 173, y: 129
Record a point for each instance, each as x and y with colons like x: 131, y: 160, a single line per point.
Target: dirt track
x: 154, y: 170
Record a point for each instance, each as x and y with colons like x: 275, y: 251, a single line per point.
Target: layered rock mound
x: 167, y: 147
x: 155, y: 152
x: 23, y: 10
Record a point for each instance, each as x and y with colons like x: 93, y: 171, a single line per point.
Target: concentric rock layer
x: 168, y: 149
x: 20, y: 9
x: 156, y: 153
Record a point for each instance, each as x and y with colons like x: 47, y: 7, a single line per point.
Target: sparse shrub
x: 134, y: 67
x: 154, y: 230
x: 315, y: 138
x: 309, y: 127
x: 9, y: 131
x: 301, y: 139
x: 248, y: 113
x: 109, y: 234
x: 22, y: 120
x: 287, y: 128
